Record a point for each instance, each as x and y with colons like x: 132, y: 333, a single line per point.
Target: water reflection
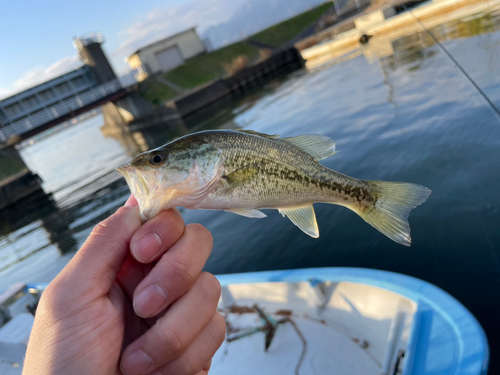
x: 38, y: 211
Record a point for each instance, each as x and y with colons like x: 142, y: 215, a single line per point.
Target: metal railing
x: 60, y: 109
x: 344, y: 6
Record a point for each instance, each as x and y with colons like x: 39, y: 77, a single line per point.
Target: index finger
x: 104, y: 252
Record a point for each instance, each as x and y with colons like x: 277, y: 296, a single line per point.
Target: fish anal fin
x: 318, y: 146
x: 240, y: 176
x: 303, y: 217
x: 247, y: 212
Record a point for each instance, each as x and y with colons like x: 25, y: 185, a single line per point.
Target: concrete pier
x: 134, y: 112
x: 16, y: 180
x: 18, y: 187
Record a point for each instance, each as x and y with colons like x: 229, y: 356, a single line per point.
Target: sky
x: 36, y: 36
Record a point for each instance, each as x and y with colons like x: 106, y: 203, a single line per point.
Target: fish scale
x: 287, y: 175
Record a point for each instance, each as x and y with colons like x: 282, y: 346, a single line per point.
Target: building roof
x: 162, y: 40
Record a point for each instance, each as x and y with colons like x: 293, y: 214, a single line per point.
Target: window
x: 78, y: 82
x: 30, y: 102
x: 47, y: 95
x: 63, y: 88
x: 13, y: 109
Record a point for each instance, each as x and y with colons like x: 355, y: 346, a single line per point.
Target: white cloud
x: 150, y: 27
x: 41, y: 74
x: 163, y: 22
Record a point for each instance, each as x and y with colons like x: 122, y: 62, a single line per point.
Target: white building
x: 166, y: 54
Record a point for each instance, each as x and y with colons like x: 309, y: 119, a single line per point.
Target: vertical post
x: 357, y: 5
x: 336, y: 6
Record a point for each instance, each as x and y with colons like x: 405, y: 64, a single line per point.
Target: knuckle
x: 48, y: 295
x: 210, y: 286
x: 177, y: 221
x: 182, y: 271
x: 186, y: 367
x: 202, y: 236
x: 56, y: 287
x: 109, y: 225
x: 100, y: 229
x: 172, y: 341
x: 220, y: 329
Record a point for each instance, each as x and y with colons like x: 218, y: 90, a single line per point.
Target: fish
x: 244, y: 172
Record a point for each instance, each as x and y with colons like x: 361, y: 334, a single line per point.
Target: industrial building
x: 63, y: 95
x: 38, y: 98
x: 166, y: 54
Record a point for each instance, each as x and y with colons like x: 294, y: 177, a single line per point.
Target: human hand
x: 146, y: 311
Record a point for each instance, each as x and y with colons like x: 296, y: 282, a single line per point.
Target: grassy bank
x: 197, y: 71
x: 210, y: 66
x: 283, y: 32
x: 156, y: 92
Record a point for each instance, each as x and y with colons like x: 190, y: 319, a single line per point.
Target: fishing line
x: 492, y: 105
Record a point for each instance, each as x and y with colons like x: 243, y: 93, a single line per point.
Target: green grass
x: 209, y: 66
x: 9, y: 166
x: 283, y: 32
x: 155, y: 92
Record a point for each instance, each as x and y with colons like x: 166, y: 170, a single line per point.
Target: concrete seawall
x: 18, y: 186
x: 200, y: 97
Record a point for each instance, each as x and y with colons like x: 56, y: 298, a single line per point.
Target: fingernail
x: 147, y: 247
x: 131, y: 202
x: 136, y: 363
x: 150, y: 301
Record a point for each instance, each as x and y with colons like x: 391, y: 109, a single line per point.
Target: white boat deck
x: 350, y: 327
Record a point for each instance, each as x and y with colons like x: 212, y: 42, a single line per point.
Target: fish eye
x: 156, y: 159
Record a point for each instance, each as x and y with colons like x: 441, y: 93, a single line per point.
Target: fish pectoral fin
x: 240, y: 176
x: 318, y: 146
x: 248, y: 212
x: 303, y: 217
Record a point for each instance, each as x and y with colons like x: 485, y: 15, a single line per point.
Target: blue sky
x: 36, y: 36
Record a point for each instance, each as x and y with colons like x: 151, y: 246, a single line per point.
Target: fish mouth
x: 139, y: 188
x: 136, y: 182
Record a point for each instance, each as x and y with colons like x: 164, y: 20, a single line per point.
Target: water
x: 407, y: 115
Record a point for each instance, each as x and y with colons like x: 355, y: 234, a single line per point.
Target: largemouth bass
x: 244, y: 171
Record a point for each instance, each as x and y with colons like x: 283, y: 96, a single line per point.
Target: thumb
x: 106, y: 249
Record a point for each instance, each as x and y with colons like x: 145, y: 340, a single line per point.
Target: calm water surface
x: 407, y: 115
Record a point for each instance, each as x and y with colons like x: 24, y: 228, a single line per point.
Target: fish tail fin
x: 394, y: 201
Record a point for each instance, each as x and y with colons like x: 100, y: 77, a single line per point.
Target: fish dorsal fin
x: 253, y: 132
x: 303, y: 217
x: 318, y: 146
x: 241, y: 176
x: 248, y: 212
